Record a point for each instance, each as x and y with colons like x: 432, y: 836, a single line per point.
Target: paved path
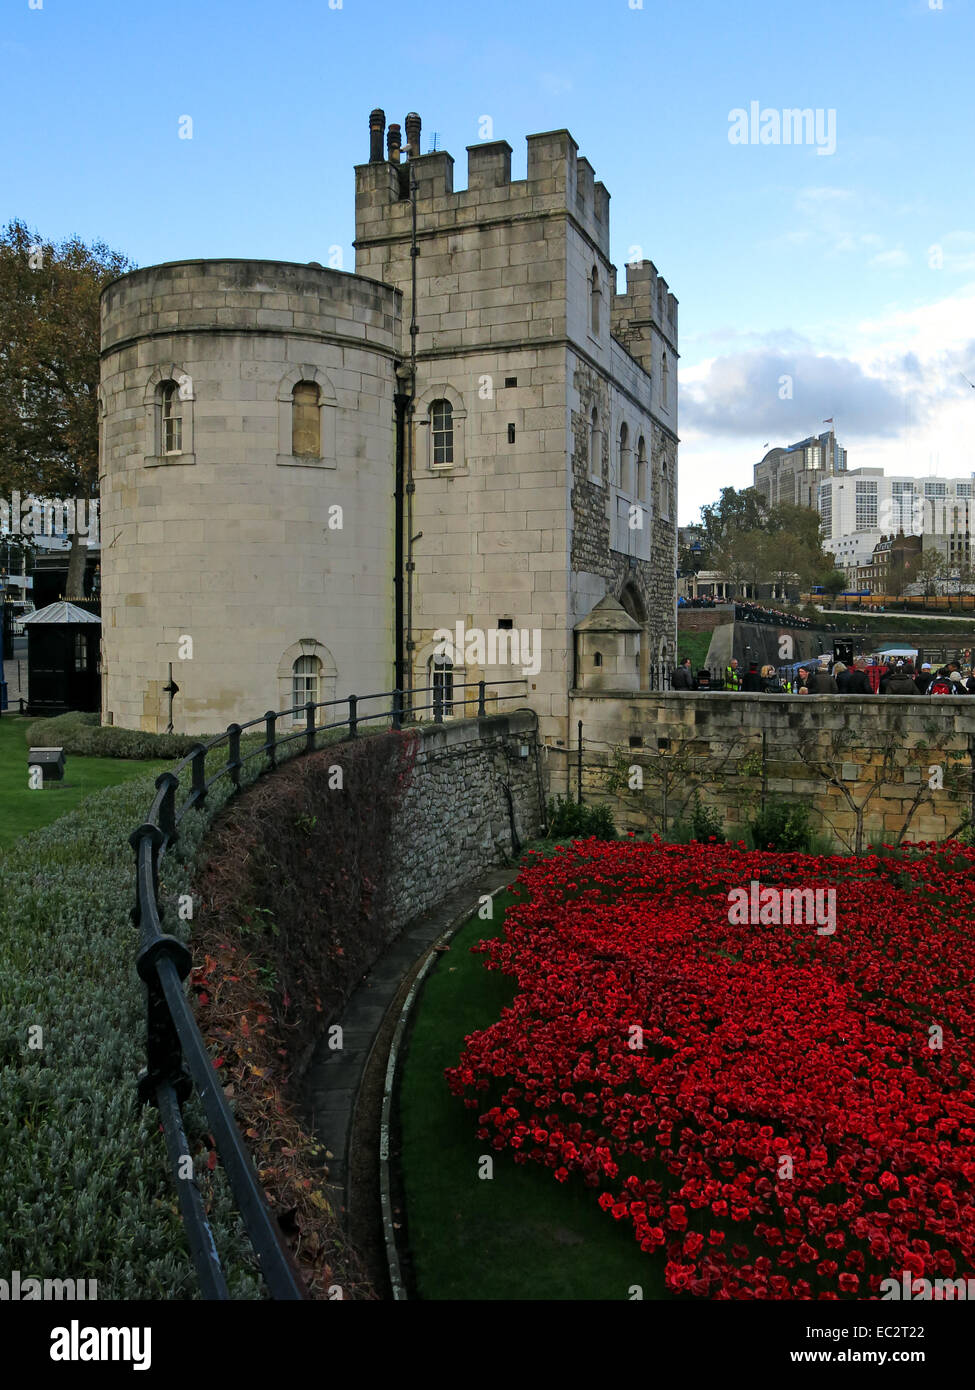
x: 333, y: 1077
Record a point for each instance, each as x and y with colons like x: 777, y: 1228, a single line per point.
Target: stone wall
x: 455, y: 821
x: 896, y: 760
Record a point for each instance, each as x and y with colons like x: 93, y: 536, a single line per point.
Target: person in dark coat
x: 822, y: 683
x: 842, y: 675
x: 683, y: 676
x: 902, y: 680
x: 753, y: 681
x: 859, y: 680
x: 923, y: 678
x: 771, y: 685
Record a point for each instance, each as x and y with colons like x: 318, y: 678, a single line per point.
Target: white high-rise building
x: 863, y: 505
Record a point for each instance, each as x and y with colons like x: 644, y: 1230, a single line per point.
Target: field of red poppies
x: 776, y: 1112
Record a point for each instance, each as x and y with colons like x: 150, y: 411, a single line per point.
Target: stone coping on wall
x: 710, y: 696
x: 453, y: 733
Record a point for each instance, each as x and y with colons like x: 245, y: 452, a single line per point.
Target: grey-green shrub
x: 82, y: 735
x: 85, y: 1190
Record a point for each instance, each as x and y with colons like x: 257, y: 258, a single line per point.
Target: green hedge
x: 82, y: 735
x: 85, y: 1190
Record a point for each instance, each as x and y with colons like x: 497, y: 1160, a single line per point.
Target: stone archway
x: 632, y: 601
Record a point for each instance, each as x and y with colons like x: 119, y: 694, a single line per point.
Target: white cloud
x: 897, y: 393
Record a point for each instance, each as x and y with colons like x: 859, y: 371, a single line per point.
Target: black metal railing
x: 176, y: 1054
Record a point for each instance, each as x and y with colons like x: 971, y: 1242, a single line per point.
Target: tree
x: 834, y: 582
x: 927, y: 568
x: 49, y: 349
x: 735, y: 511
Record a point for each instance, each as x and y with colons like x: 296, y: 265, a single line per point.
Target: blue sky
x: 852, y: 273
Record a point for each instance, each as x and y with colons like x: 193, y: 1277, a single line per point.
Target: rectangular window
x: 80, y: 652
x: 443, y: 689
x: 173, y: 435
x: 442, y: 429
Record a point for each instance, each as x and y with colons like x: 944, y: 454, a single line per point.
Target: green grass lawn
x: 519, y: 1234
x: 23, y: 810
x: 695, y: 645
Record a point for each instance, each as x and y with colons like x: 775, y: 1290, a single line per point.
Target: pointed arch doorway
x: 632, y: 601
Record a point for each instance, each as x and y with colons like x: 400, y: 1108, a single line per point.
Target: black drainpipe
x: 402, y: 400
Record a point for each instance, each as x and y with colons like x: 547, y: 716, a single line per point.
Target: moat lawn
x: 23, y: 810
x: 517, y: 1235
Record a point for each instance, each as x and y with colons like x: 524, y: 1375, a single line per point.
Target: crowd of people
x: 894, y: 676
x: 757, y: 613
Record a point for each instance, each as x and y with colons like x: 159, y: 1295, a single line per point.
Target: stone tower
x: 246, y: 409
x: 544, y: 414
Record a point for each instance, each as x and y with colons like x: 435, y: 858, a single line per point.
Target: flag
x: 829, y: 421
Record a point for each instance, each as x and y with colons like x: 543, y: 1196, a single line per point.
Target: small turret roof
x: 608, y: 615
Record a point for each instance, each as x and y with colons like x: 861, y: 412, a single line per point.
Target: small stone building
x: 607, y: 648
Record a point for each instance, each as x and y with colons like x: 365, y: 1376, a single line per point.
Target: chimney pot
x: 394, y: 142
x: 413, y: 124
x: 377, y: 128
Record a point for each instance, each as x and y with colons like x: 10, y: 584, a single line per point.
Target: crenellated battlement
x: 645, y: 307
x: 558, y: 180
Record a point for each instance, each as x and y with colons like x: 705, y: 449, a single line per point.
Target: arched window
x: 441, y: 670
x: 664, y: 381
x: 305, y: 675
x: 594, y: 302
x: 442, y: 434
x: 597, y: 658
x: 595, y: 462
x: 306, y: 427
x: 641, y: 469
x: 626, y: 463
x: 170, y: 419
x: 168, y: 400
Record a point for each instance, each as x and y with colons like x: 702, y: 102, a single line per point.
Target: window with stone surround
x: 594, y: 296
x: 641, y: 469
x: 307, y: 410
x: 306, y: 429
x: 169, y: 407
x: 439, y: 414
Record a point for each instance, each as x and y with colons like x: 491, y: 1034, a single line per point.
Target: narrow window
x: 594, y: 459
x: 80, y: 652
x: 664, y: 381
x: 641, y: 469
x: 306, y: 429
x: 442, y: 433
x: 172, y: 419
x: 442, y: 683
x: 304, y: 681
x: 594, y: 302
x: 624, y: 461
x: 511, y: 434
x: 597, y: 658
